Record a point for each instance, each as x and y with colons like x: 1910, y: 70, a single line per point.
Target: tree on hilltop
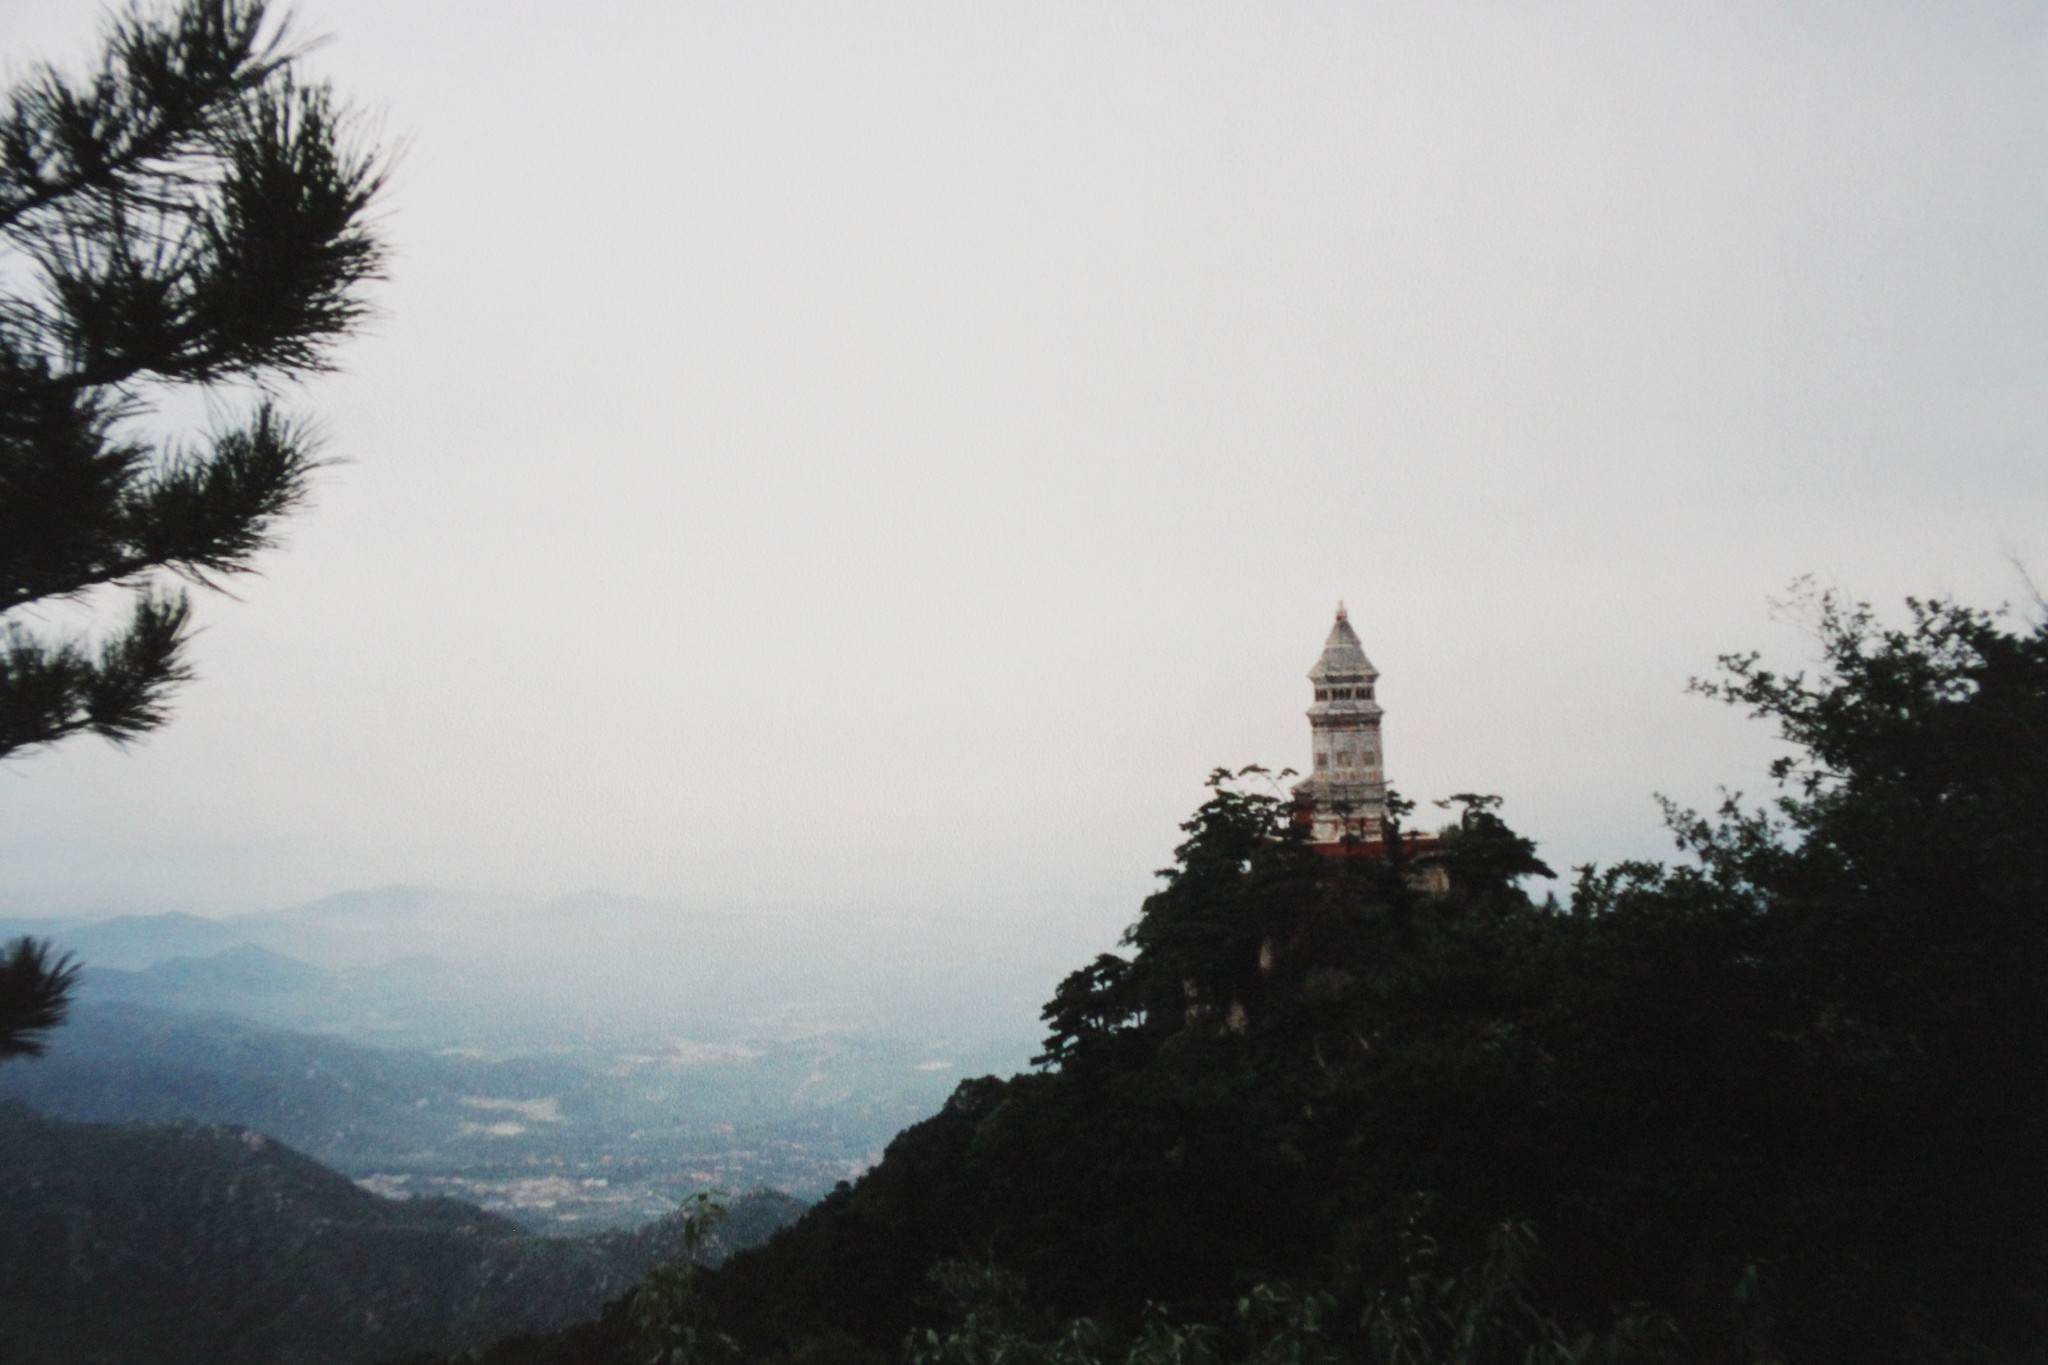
x: 190, y: 216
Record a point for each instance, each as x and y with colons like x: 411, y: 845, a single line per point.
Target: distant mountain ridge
x: 244, y: 967
x: 591, y: 956
x: 131, y: 942
x: 357, y: 1107
x: 590, y: 961
x: 182, y: 1244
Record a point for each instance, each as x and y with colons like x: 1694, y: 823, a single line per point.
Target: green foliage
x: 673, y: 1323
x: 1091, y: 1007
x: 1851, y: 979
x: 35, y: 991
x: 189, y: 214
x: 1481, y: 1316
x: 1486, y: 1315
x: 1486, y: 859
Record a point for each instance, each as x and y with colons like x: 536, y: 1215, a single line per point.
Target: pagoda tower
x: 1344, y: 798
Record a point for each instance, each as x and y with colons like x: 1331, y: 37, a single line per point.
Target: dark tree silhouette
x: 35, y: 991
x: 189, y: 215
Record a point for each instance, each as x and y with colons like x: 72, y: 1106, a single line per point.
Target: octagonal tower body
x: 1345, y: 794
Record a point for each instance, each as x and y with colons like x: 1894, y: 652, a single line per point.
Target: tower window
x: 1322, y: 760
x: 1322, y: 694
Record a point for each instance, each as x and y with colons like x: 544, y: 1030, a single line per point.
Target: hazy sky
x: 866, y: 456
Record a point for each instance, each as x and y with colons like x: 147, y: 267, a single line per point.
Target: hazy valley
x: 576, y: 1064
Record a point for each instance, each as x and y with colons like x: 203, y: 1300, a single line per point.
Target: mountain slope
x: 166, y: 1245
x: 350, y: 1105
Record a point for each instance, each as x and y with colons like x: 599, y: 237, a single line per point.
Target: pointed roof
x: 1341, y: 652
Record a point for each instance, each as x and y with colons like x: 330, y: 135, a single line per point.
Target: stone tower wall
x: 1346, y: 789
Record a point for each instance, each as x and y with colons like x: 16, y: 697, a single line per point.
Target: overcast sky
x: 866, y: 457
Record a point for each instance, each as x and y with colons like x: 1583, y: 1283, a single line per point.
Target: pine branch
x: 52, y: 691
x: 161, y: 87
x: 63, y: 476
x: 35, y: 995
x: 194, y: 215
x: 69, y: 525
x: 209, y: 515
x: 261, y: 272
x: 189, y: 214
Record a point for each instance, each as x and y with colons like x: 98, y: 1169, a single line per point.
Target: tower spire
x: 1345, y: 794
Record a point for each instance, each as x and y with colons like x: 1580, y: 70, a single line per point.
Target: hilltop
x: 1785, y: 1100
